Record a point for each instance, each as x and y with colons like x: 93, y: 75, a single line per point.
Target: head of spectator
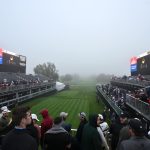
x: 101, y: 117
x: 82, y: 116
x: 44, y: 113
x: 123, y: 118
x: 136, y: 127
x: 5, y: 111
x: 34, y: 118
x: 63, y: 115
x: 22, y: 116
x: 94, y: 120
x: 57, y: 121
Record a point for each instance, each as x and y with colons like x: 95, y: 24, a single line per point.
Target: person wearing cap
x: 101, y: 133
x: 19, y: 138
x: 4, y: 120
x: 83, y: 121
x: 66, y: 126
x: 116, y: 127
x: 137, y: 141
x: 103, y: 124
x: 57, y: 138
x: 124, y: 132
x: 35, y: 120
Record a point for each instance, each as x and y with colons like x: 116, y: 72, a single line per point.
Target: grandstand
x: 136, y: 87
x: 17, y: 87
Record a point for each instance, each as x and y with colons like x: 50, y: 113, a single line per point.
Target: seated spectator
x: 19, y: 138
x: 57, y: 138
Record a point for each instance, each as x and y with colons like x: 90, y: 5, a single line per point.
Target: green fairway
x: 73, y: 101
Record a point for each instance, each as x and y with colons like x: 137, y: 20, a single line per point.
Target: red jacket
x: 46, y: 123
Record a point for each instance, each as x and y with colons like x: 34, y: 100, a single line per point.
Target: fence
x: 138, y: 105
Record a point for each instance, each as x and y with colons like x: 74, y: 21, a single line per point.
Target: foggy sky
x: 78, y: 36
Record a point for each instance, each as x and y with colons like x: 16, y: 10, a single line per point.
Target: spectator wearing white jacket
x: 99, y: 129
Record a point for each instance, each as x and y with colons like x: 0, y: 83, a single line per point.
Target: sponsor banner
x: 133, y: 67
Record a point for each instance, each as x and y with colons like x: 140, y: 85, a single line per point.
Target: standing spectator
x: 35, y: 119
x: 65, y: 125
x: 104, y: 114
x: 4, y: 120
x: 57, y: 138
x: 137, y: 141
x: 46, y: 124
x: 33, y: 131
x: 18, y: 138
x: 83, y: 121
x: 90, y: 136
x: 103, y: 124
x: 115, y: 129
x: 100, y: 131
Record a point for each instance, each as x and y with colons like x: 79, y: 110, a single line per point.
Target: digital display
x: 1, y: 56
x: 10, y: 62
x: 133, y: 67
x: 143, y: 65
x: 22, y: 58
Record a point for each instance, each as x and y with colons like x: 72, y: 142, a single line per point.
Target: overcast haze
x: 78, y: 36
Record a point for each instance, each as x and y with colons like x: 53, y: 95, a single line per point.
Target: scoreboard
x: 141, y: 65
x: 11, y: 62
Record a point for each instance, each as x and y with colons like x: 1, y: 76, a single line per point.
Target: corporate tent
x: 60, y: 86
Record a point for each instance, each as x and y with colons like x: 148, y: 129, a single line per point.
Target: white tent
x: 60, y: 86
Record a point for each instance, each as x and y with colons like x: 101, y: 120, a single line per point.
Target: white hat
x: 148, y: 133
x: 63, y: 114
x: 34, y: 116
x: 101, y: 116
x: 4, y: 110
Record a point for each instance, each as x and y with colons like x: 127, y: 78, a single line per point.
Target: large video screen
x: 12, y: 63
x: 143, y: 65
x: 10, y: 59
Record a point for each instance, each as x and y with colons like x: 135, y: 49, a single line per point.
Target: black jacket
x: 19, y: 139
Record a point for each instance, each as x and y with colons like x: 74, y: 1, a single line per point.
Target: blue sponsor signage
x: 1, y: 60
x: 133, y: 67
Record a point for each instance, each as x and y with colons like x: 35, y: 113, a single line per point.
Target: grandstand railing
x: 140, y: 83
x: 25, y: 98
x: 138, y: 105
x: 22, y: 86
x: 111, y: 103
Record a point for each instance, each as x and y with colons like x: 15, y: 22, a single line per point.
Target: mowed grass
x: 73, y: 101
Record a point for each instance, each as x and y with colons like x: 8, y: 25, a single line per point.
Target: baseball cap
x: 63, y: 114
x: 82, y: 114
x: 136, y: 125
x: 123, y: 115
x: 4, y: 109
x: 34, y: 116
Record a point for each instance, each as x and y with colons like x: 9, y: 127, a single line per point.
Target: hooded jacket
x: 90, y: 136
x: 46, y: 123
